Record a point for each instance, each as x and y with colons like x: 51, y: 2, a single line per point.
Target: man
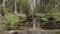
x: 30, y: 18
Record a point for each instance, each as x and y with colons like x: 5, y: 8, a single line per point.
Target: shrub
x: 12, y: 19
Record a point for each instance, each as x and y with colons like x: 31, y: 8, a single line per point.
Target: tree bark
x: 15, y: 7
x: 3, y: 8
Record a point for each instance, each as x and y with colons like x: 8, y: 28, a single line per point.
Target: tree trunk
x: 15, y: 7
x: 3, y: 7
x: 33, y: 4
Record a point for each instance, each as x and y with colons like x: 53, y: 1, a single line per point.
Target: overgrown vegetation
x: 14, y: 14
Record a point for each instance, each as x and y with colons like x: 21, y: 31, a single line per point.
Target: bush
x: 12, y: 19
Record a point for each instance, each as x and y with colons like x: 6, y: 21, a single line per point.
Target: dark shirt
x: 30, y: 18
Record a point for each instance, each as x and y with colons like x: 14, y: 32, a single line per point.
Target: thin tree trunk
x: 15, y: 7
x: 20, y: 6
x: 3, y: 7
x: 33, y: 12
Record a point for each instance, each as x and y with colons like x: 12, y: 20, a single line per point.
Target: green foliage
x: 23, y: 7
x: 12, y: 19
x: 56, y: 13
